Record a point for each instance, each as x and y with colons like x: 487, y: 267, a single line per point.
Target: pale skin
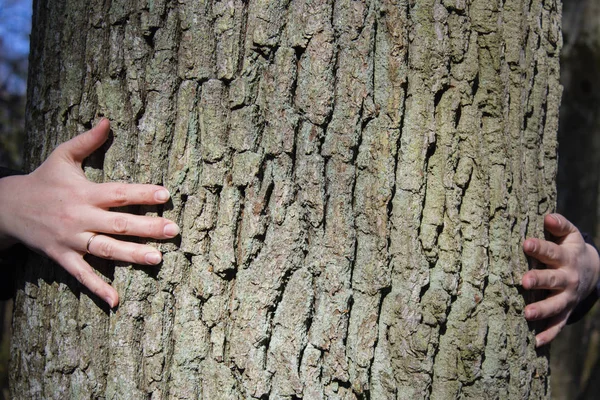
x: 573, y: 269
x: 55, y: 210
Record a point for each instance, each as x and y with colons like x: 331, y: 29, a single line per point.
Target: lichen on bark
x: 353, y: 180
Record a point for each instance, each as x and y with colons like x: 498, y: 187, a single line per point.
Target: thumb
x: 81, y: 146
x: 558, y: 226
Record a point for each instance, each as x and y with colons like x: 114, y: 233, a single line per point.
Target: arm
x: 55, y: 210
x: 573, y: 271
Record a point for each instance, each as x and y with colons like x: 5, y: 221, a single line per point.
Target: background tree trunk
x: 575, y: 356
x: 353, y: 180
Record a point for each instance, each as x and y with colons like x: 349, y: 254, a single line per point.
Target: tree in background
x: 576, y: 352
x: 353, y: 178
x: 15, y: 25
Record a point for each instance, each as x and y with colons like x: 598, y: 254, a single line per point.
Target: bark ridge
x: 353, y: 180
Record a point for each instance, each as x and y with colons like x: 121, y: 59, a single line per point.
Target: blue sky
x: 15, y: 26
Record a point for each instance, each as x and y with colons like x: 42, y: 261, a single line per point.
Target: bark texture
x: 353, y: 179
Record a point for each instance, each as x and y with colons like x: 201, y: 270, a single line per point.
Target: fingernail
x: 110, y: 301
x: 528, y: 245
x: 162, y: 195
x: 539, y: 342
x: 530, y: 314
x: 152, y: 258
x: 555, y: 217
x: 171, y: 230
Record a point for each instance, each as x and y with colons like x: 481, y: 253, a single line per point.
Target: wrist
x: 8, y: 200
x: 594, y: 259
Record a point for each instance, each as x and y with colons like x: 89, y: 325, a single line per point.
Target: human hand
x: 573, y: 268
x: 57, y: 211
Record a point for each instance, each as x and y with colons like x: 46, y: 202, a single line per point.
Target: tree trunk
x: 353, y: 180
x: 575, y: 358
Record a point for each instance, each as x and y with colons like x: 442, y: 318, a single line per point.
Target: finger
x: 113, y: 249
x: 81, y: 146
x: 547, y: 252
x: 116, y: 223
x: 552, y: 330
x: 549, y: 307
x: 558, y: 226
x: 545, y: 279
x: 107, y: 195
x: 83, y: 272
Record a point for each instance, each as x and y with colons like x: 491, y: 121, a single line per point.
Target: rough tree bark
x: 353, y: 179
x: 575, y: 355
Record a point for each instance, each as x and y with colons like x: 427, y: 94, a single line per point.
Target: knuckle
x: 82, y: 277
x: 53, y: 252
x: 138, y: 255
x: 535, y: 246
x: 550, y: 253
x: 534, y: 277
x: 572, y: 280
x: 64, y: 149
x: 147, y: 194
x: 552, y: 281
x: 120, y: 225
x: 156, y: 227
x: 119, y: 195
x: 80, y: 141
x: 106, y: 250
x: 68, y: 220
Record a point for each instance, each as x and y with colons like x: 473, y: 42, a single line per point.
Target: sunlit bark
x: 353, y: 180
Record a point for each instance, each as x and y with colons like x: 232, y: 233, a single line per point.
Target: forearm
x: 594, y: 257
x: 9, y: 258
x: 7, y: 181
